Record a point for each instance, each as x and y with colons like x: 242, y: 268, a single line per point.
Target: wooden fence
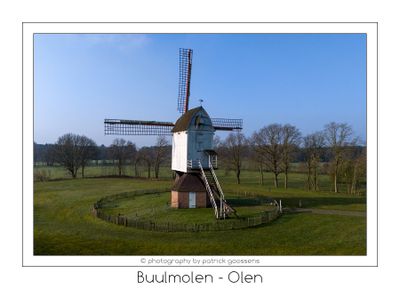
x: 146, y: 224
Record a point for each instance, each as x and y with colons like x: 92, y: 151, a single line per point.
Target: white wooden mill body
x: 192, y: 141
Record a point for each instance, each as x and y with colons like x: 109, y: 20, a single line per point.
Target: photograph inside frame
x: 200, y: 144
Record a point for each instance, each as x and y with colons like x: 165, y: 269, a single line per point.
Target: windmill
x: 193, y: 158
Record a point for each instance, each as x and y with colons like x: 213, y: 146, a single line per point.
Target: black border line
x: 227, y: 256
x: 22, y: 165
x: 377, y: 144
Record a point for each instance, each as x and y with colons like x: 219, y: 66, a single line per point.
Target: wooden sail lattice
x: 136, y: 127
x: 185, y: 71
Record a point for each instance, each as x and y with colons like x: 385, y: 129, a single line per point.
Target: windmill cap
x: 187, y: 119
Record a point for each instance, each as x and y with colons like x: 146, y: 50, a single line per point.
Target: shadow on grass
x: 315, y: 201
x: 246, y: 202
x: 294, y: 202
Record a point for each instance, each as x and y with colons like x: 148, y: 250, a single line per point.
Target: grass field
x: 156, y: 207
x: 64, y: 225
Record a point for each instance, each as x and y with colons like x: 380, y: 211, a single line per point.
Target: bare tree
x: 48, y: 154
x: 121, y: 151
x: 313, y: 144
x: 88, y: 149
x: 256, y: 156
x: 235, y: 144
x: 37, y: 156
x: 359, y: 172
x: 353, y: 169
x: 146, y: 156
x: 268, y: 143
x: 67, y: 152
x: 338, y: 137
x: 132, y: 155
x: 216, y: 142
x: 291, y: 138
x: 160, y: 154
x: 136, y: 165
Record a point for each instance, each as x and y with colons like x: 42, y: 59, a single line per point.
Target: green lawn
x: 64, y: 225
x: 156, y: 207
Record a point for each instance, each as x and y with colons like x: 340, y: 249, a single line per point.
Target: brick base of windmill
x: 189, y: 191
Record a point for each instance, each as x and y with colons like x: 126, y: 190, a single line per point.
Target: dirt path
x: 330, y: 212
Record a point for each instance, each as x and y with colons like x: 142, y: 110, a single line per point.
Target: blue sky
x: 306, y: 80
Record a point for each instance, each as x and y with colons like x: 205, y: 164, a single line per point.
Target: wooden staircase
x: 217, y: 198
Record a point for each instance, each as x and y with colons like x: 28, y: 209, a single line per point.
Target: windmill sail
x: 145, y: 127
x: 136, y: 127
x: 185, y: 70
x: 227, y: 124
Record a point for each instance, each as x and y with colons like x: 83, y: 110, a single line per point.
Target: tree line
x: 75, y: 152
x: 277, y: 148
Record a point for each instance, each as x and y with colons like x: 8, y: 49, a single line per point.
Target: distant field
x: 63, y: 224
x: 57, y: 172
x: 296, y: 180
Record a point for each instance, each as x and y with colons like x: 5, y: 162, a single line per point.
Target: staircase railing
x: 221, y: 192
x: 210, y: 192
x: 214, y: 160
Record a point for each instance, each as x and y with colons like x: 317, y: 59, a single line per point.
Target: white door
x: 192, y: 200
